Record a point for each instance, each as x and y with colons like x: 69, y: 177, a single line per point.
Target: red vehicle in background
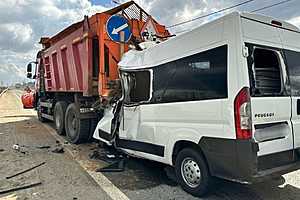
x: 28, y: 98
x: 77, y: 69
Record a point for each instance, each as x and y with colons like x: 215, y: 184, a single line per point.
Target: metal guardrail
x: 1, y: 93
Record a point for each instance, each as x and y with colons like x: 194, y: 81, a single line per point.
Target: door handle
x: 298, y: 106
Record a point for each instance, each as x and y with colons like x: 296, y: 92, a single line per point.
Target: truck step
x: 46, y: 104
x: 50, y: 117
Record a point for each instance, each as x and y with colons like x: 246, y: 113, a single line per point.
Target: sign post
x: 122, y: 46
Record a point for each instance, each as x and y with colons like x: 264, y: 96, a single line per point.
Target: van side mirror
x: 29, y: 75
x: 29, y: 68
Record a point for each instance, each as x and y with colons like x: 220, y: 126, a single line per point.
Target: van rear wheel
x: 192, y: 172
x: 59, y: 117
x: 77, y: 130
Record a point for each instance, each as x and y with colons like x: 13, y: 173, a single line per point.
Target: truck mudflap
x: 237, y: 160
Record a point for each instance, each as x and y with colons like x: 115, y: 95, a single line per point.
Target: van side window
x: 293, y: 65
x: 265, y: 72
x: 138, y: 87
x: 198, y: 77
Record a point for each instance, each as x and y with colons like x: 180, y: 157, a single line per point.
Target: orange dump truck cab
x: 77, y: 67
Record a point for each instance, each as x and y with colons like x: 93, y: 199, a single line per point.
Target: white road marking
x: 3, y: 92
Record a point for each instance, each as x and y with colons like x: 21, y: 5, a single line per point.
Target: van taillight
x: 242, y: 114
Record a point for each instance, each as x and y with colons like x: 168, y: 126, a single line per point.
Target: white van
x: 220, y: 101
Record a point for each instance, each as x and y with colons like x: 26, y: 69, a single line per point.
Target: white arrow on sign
x: 117, y: 30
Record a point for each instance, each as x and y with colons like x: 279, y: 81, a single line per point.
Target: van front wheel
x: 192, y: 172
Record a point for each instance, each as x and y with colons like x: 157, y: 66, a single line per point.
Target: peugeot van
x: 222, y: 100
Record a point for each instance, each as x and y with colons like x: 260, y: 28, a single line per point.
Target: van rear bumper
x: 237, y: 160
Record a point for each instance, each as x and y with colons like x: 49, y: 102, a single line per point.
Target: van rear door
x: 291, y: 46
x: 270, y: 100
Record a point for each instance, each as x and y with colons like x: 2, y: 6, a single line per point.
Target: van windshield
x: 136, y: 86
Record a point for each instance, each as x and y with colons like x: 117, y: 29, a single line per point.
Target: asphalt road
x: 61, y: 176
x: 72, y: 174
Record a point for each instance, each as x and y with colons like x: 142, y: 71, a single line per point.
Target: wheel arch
x: 181, y: 144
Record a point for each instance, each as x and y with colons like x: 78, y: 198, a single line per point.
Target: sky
x: 24, y: 22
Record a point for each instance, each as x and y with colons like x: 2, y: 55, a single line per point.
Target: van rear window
x: 293, y: 63
x: 265, y: 72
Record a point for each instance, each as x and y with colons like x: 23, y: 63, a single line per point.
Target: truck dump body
x: 82, y: 58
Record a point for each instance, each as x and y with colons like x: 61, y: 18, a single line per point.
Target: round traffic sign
x: 117, y: 24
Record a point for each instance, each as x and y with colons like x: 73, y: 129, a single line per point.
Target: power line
x: 270, y: 6
x: 218, y: 11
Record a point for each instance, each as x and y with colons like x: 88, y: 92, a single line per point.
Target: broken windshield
x: 136, y: 86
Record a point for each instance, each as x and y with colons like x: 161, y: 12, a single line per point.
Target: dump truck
x: 76, y: 71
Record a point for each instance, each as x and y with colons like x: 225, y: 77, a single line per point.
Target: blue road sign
x: 114, y: 25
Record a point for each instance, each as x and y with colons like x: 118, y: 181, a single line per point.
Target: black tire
x: 189, y: 178
x: 39, y: 112
x: 59, y: 117
x: 77, y: 130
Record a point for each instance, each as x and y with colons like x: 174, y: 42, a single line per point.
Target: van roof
x: 269, y: 20
x: 210, y: 32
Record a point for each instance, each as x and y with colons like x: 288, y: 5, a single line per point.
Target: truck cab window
x: 266, y: 72
x: 136, y: 86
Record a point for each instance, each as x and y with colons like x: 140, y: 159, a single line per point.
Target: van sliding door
x: 270, y: 102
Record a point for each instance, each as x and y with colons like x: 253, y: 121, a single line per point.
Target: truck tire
x: 39, y: 112
x: 59, y: 116
x: 77, y: 130
x: 192, y: 172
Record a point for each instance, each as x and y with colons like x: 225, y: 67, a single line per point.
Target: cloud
x: 24, y: 22
x: 15, y: 36
x: 11, y: 73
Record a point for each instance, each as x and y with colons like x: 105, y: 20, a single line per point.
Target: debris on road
x: 20, y: 188
x: 118, y: 166
x: 106, y: 154
x: 44, y: 147
x: 58, y: 150
x: 1, y: 150
x: 18, y: 148
x: 26, y: 170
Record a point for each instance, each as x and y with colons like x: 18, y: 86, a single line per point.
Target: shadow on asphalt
x: 140, y: 174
